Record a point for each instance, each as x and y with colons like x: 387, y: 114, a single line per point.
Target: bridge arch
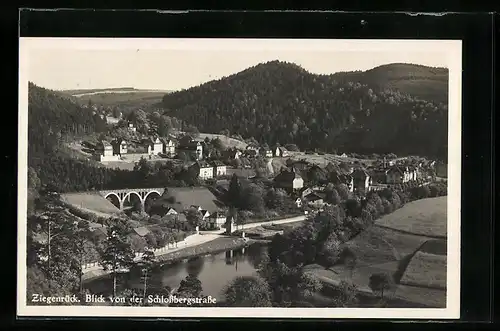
x: 127, y: 198
x: 153, y: 194
x: 118, y: 200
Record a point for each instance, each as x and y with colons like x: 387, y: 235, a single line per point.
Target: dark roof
x: 314, y: 196
x: 218, y: 163
x: 189, y: 196
x: 395, y: 169
x: 142, y: 231
x: 286, y: 176
x: 360, y: 173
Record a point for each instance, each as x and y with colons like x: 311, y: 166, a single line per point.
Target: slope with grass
x: 416, y: 262
x: 426, y: 217
x: 91, y: 202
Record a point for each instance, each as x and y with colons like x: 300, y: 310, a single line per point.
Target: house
x: 217, y: 220
x: 361, y: 181
x: 190, y: 147
x: 104, y: 148
x: 205, y: 169
x: 314, y: 199
x: 119, y: 146
x: 280, y: 151
x: 104, y: 152
x: 168, y: 147
x: 298, y: 202
x: 131, y: 127
x: 251, y: 153
x: 171, y: 211
x: 378, y: 175
x: 232, y: 154
x: 266, y: 152
x: 156, y: 146
x: 182, y: 198
x: 289, y: 180
x: 219, y: 168
x: 398, y: 175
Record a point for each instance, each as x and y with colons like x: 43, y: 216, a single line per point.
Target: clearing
x: 90, y: 202
x: 426, y: 270
x: 426, y: 217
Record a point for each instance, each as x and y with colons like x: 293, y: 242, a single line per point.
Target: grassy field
x: 92, y: 202
x: 415, y: 261
x: 426, y: 270
x: 425, y: 217
x: 436, y: 247
x: 227, y: 141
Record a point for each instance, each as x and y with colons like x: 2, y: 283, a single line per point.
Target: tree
x: 289, y: 285
x: 252, y: 198
x: 190, y: 287
x: 117, y: 253
x: 84, y: 249
x: 343, y: 191
x: 347, y: 294
x: 194, y: 217
x: 146, y: 265
x: 350, y: 260
x: 379, y: 283
x: 234, y: 192
x: 248, y: 291
x: 332, y: 196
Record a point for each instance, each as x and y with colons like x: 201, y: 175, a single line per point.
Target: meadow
x: 425, y: 217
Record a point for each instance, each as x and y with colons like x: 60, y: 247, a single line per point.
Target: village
x: 305, y: 181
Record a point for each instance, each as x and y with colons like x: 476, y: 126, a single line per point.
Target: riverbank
x: 212, y: 247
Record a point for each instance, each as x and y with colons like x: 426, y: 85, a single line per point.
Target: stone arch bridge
x: 124, y: 195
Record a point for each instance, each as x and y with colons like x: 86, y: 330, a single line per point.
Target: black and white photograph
x: 239, y: 178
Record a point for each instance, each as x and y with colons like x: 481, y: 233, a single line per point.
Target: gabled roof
x: 142, y: 231
x: 360, y: 173
x: 313, y: 196
x: 395, y: 170
x: 218, y: 163
x: 287, y: 176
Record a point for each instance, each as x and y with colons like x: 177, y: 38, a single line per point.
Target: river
x: 215, y: 271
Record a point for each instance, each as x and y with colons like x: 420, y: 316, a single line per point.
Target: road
x: 254, y: 225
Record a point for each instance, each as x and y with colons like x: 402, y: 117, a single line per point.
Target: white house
x: 220, y: 169
x: 131, y: 127
x: 289, y: 180
x: 168, y: 147
x: 119, y: 147
x: 280, y: 151
x: 156, y: 146
x: 104, y: 152
x: 206, y: 170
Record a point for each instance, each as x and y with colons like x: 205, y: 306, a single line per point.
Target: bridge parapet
x: 123, y: 194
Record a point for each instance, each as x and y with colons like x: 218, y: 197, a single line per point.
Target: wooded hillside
x: 279, y: 102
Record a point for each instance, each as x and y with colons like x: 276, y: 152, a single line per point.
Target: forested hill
x: 52, y: 114
x: 279, y: 102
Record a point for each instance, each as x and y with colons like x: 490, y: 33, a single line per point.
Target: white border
x: 451, y: 47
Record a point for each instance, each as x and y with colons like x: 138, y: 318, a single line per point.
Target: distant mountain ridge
x: 429, y: 83
x: 364, y: 112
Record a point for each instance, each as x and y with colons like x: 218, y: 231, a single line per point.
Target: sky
x: 174, y: 64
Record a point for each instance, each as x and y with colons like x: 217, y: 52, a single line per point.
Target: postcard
x: 261, y: 178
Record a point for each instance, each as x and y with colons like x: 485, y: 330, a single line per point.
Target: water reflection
x: 214, y: 271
